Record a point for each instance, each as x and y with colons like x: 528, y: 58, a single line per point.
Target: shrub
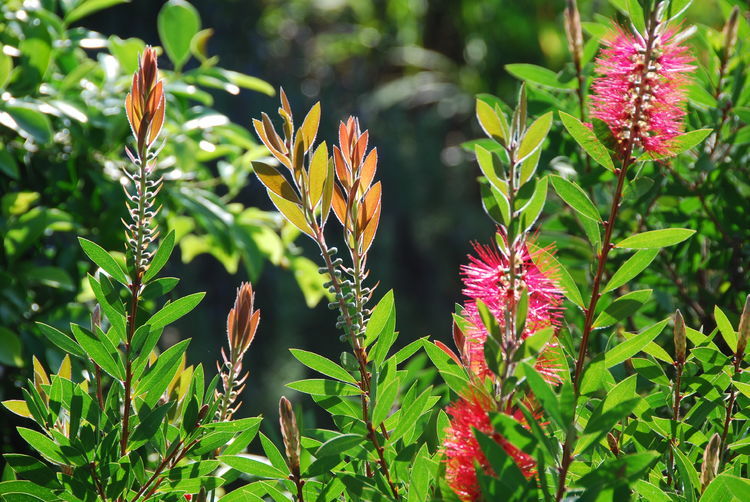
x: 524, y: 408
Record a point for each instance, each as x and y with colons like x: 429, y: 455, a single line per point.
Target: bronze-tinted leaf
x: 342, y: 168
x: 318, y: 172
x: 339, y: 204
x: 345, y: 137
x: 272, y: 135
x: 298, y: 157
x: 275, y: 181
x: 158, y: 121
x: 309, y: 128
x: 261, y: 132
x: 292, y: 212
x: 360, y: 147
x: 369, y: 166
x: 370, y: 230
x: 369, y: 205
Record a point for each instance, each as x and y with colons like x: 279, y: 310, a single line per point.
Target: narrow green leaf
x: 622, y: 308
x: 103, y: 260
x: 588, y: 140
x: 534, y: 136
x: 563, y: 277
x: 386, y: 395
x: 656, y: 238
x: 490, y: 121
x: 44, y: 445
x: 631, y: 268
x: 87, y: 7
x: 160, y: 257
x: 173, y: 311
x: 252, y: 467
x: 324, y: 387
x: 544, y: 393
x: 575, y: 197
x: 630, y: 347
x: 538, y: 75
x: 530, y: 213
x: 726, y: 329
x: 100, y: 351
x: 322, y: 365
x: 680, y: 144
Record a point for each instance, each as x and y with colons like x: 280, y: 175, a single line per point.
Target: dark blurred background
x: 409, y: 69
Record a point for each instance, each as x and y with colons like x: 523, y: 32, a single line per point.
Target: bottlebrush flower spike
x: 242, y: 323
x: 639, y: 94
x: 145, y: 103
x: 463, y: 452
x: 486, y: 279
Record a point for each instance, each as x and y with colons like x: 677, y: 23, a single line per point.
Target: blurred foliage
x: 62, y: 129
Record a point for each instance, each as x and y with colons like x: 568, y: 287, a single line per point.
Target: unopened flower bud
x: 290, y: 434
x: 711, y: 457
x: 730, y: 32
x: 680, y: 339
x: 573, y: 32
x: 145, y: 103
x: 96, y: 317
x: 613, y: 444
x: 744, y: 331
x: 242, y: 321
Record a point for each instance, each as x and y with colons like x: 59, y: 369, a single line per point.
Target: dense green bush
x: 572, y: 376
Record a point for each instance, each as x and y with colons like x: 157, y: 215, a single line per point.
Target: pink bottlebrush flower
x: 462, y: 450
x: 645, y: 101
x: 486, y: 279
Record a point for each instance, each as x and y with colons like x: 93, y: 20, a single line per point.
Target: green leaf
x: 248, y: 82
x: 88, y: 7
x: 386, y: 395
x: 322, y: 365
x: 630, y: 347
x: 252, y: 467
x: 544, y: 393
x: 622, y: 308
x: 156, y: 381
x: 178, y: 22
x: 62, y: 340
x: 726, y: 488
x: 621, y: 400
x: 631, y: 268
x: 489, y: 163
x: 492, y: 120
x: 688, y: 475
x: 656, y: 238
x: 10, y: 348
x: 385, y: 335
x: 538, y: 75
x: 338, y: 445
x: 575, y: 197
x: 588, y: 140
x: 324, y: 387
x: 530, y: 213
x: 173, y: 311
x: 100, y: 350
x: 44, y: 445
x: 160, y: 257
x: 726, y: 329
x: 103, y: 260
x: 534, y: 136
x: 564, y: 279
x: 29, y: 122
x: 31, y: 469
x: 680, y: 144
x: 149, y: 426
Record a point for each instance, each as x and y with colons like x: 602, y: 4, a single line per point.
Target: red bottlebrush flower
x: 642, y: 100
x: 462, y: 450
x: 485, y: 278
